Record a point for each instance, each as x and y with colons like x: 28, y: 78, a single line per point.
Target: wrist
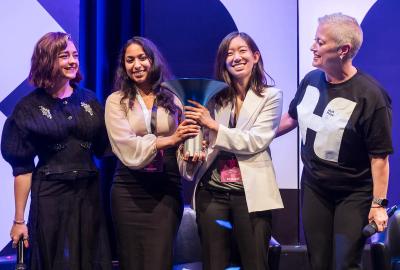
x: 19, y: 222
x: 173, y: 141
x: 170, y: 141
x: 379, y: 202
x: 165, y: 142
x: 214, y: 126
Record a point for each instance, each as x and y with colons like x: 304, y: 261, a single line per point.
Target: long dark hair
x: 158, y: 73
x: 258, y: 80
x: 44, y: 66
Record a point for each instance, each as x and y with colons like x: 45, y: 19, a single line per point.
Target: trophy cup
x: 200, y: 90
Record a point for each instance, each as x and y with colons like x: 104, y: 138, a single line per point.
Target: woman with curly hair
x: 144, y: 126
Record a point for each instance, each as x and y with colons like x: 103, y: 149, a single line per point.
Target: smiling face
x: 137, y: 64
x: 68, y: 62
x: 240, y: 59
x: 325, y: 49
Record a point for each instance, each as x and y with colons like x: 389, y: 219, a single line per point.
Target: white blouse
x: 127, y: 131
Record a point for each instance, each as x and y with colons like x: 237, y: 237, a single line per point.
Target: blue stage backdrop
x: 22, y: 23
x: 379, y: 57
x: 188, y: 33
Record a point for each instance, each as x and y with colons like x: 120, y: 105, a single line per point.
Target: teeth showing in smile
x: 138, y: 73
x: 238, y: 66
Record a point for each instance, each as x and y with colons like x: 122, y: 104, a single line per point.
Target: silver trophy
x: 200, y: 90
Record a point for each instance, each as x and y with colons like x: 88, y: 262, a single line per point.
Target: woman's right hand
x: 187, y: 129
x: 18, y: 231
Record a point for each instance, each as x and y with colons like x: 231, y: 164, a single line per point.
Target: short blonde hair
x: 345, y: 29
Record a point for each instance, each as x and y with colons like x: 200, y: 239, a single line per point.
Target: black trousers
x: 333, y: 223
x: 223, y: 217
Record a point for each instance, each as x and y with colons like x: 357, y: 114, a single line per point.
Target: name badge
x: 230, y: 171
x: 156, y: 165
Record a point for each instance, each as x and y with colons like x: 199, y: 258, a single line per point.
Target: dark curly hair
x: 258, y: 81
x: 44, y: 68
x: 159, y: 72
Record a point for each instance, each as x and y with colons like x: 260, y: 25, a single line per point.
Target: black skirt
x: 66, y: 223
x: 147, y: 209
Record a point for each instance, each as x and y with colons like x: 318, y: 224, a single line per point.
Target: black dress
x: 66, y: 223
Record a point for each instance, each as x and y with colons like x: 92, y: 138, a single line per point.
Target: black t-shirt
x: 212, y: 177
x: 341, y: 126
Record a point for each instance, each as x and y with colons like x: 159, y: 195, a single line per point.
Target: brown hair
x: 44, y: 68
x: 258, y: 80
x: 159, y: 72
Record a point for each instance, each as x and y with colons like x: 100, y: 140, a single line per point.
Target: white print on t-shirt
x: 329, y: 128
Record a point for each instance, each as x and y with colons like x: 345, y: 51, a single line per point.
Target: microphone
x: 372, y: 228
x: 20, y: 256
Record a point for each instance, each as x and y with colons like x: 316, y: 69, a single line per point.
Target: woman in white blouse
x: 143, y: 124
x: 236, y: 186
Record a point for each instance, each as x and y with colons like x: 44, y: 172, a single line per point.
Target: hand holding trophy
x: 199, y: 90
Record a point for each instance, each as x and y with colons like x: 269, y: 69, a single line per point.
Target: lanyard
x: 150, y: 116
x: 232, y: 118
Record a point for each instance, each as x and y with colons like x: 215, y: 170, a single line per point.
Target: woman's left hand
x: 198, y: 156
x: 379, y: 216
x: 201, y: 115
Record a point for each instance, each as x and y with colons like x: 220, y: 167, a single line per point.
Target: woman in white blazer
x: 236, y: 186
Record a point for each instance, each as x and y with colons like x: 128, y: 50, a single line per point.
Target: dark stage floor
x: 292, y: 257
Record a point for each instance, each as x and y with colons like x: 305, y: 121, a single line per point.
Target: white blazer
x: 256, y: 126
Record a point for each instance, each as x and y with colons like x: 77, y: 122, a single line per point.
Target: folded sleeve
x: 134, y: 151
x: 259, y: 136
x: 377, y: 131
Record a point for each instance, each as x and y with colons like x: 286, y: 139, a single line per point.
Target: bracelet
x: 18, y: 222
x: 155, y: 148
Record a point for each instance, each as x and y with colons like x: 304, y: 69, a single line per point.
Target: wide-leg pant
x: 67, y: 226
x: 223, y: 216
